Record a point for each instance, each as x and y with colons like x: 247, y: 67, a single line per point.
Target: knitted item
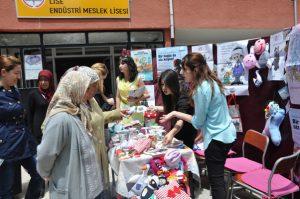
x: 275, y: 117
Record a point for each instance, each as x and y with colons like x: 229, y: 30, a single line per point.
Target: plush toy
x: 153, y: 185
x: 258, y: 80
x: 172, y: 158
x: 249, y: 60
x: 275, y: 116
x: 157, y: 166
x: 264, y: 57
x: 259, y: 46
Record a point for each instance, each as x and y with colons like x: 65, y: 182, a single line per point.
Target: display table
x: 125, y: 168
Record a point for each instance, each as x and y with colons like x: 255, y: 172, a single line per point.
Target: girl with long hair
x: 175, y: 98
x: 128, y: 80
x: 211, y: 116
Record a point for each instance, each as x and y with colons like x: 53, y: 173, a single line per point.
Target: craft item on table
x: 150, y: 118
x: 142, y: 145
x: 274, y: 115
x: 178, y: 176
x: 148, y: 191
x: 258, y: 80
x: 132, y: 124
x: 156, y: 152
x: 137, y: 93
x: 198, y: 146
x: 137, y: 183
x: 250, y: 60
x: 172, y: 158
x: 259, y: 46
x: 158, y: 166
x: 171, y: 191
x: 175, y: 144
x: 115, y: 127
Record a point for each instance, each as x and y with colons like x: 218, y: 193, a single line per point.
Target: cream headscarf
x: 69, y: 96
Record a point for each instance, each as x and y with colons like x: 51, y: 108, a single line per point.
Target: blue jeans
x: 7, y: 172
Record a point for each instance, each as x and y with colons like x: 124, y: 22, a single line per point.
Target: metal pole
x: 296, y: 12
x: 172, y: 22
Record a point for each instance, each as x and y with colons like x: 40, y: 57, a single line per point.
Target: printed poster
x: 276, y: 62
x: 295, y: 126
x: 166, y: 56
x: 294, y: 115
x: 230, y: 67
x: 33, y: 65
x: 143, y: 60
x: 207, y: 52
x: 293, y: 79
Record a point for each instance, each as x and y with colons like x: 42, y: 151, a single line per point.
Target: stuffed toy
x: 249, y: 60
x: 259, y: 46
x: 172, y: 158
x: 158, y: 166
x: 264, y: 57
x: 275, y: 116
x: 148, y: 190
x: 258, y: 80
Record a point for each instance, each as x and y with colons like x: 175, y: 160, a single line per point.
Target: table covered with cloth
x: 125, y: 168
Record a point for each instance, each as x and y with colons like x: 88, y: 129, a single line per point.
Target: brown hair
x: 101, y: 70
x: 8, y: 63
x: 202, y: 72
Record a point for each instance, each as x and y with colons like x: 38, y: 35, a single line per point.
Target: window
x: 151, y: 36
x: 108, y: 37
x: 19, y: 39
x: 64, y: 38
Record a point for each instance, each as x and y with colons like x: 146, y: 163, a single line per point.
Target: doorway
x: 61, y: 59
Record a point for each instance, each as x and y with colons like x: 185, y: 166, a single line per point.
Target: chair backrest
x: 283, y: 165
x: 258, y: 141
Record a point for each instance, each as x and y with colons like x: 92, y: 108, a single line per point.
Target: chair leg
x: 229, y: 185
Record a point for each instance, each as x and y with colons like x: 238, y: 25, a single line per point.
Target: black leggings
x: 215, y: 157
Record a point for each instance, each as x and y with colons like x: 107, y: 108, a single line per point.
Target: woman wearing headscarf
x: 38, y: 101
x: 66, y: 155
x: 98, y: 119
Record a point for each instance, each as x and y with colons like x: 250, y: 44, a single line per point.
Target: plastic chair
x: 270, y: 183
x: 243, y: 164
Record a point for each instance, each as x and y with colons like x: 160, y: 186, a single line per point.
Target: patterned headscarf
x: 69, y: 97
x: 87, y: 71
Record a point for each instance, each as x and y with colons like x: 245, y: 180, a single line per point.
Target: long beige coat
x: 99, y: 119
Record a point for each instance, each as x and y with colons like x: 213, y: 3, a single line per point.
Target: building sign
x: 72, y: 8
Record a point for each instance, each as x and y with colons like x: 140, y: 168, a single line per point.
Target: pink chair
x: 243, y: 164
x: 270, y: 183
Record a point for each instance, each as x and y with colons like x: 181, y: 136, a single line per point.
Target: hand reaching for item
x: 168, y: 138
x: 166, y: 118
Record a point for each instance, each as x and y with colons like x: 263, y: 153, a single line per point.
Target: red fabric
x: 50, y: 91
x: 280, y: 186
x: 172, y: 190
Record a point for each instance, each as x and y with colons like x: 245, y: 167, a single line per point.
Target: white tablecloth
x: 126, y: 168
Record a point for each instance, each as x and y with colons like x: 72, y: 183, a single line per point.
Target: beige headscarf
x: 69, y: 97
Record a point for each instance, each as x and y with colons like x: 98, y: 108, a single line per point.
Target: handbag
x: 234, y: 112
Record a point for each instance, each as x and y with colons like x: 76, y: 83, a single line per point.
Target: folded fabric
x: 172, y: 190
x: 142, y: 145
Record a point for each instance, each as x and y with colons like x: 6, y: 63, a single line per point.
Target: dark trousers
x: 215, y: 157
x: 7, y: 172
